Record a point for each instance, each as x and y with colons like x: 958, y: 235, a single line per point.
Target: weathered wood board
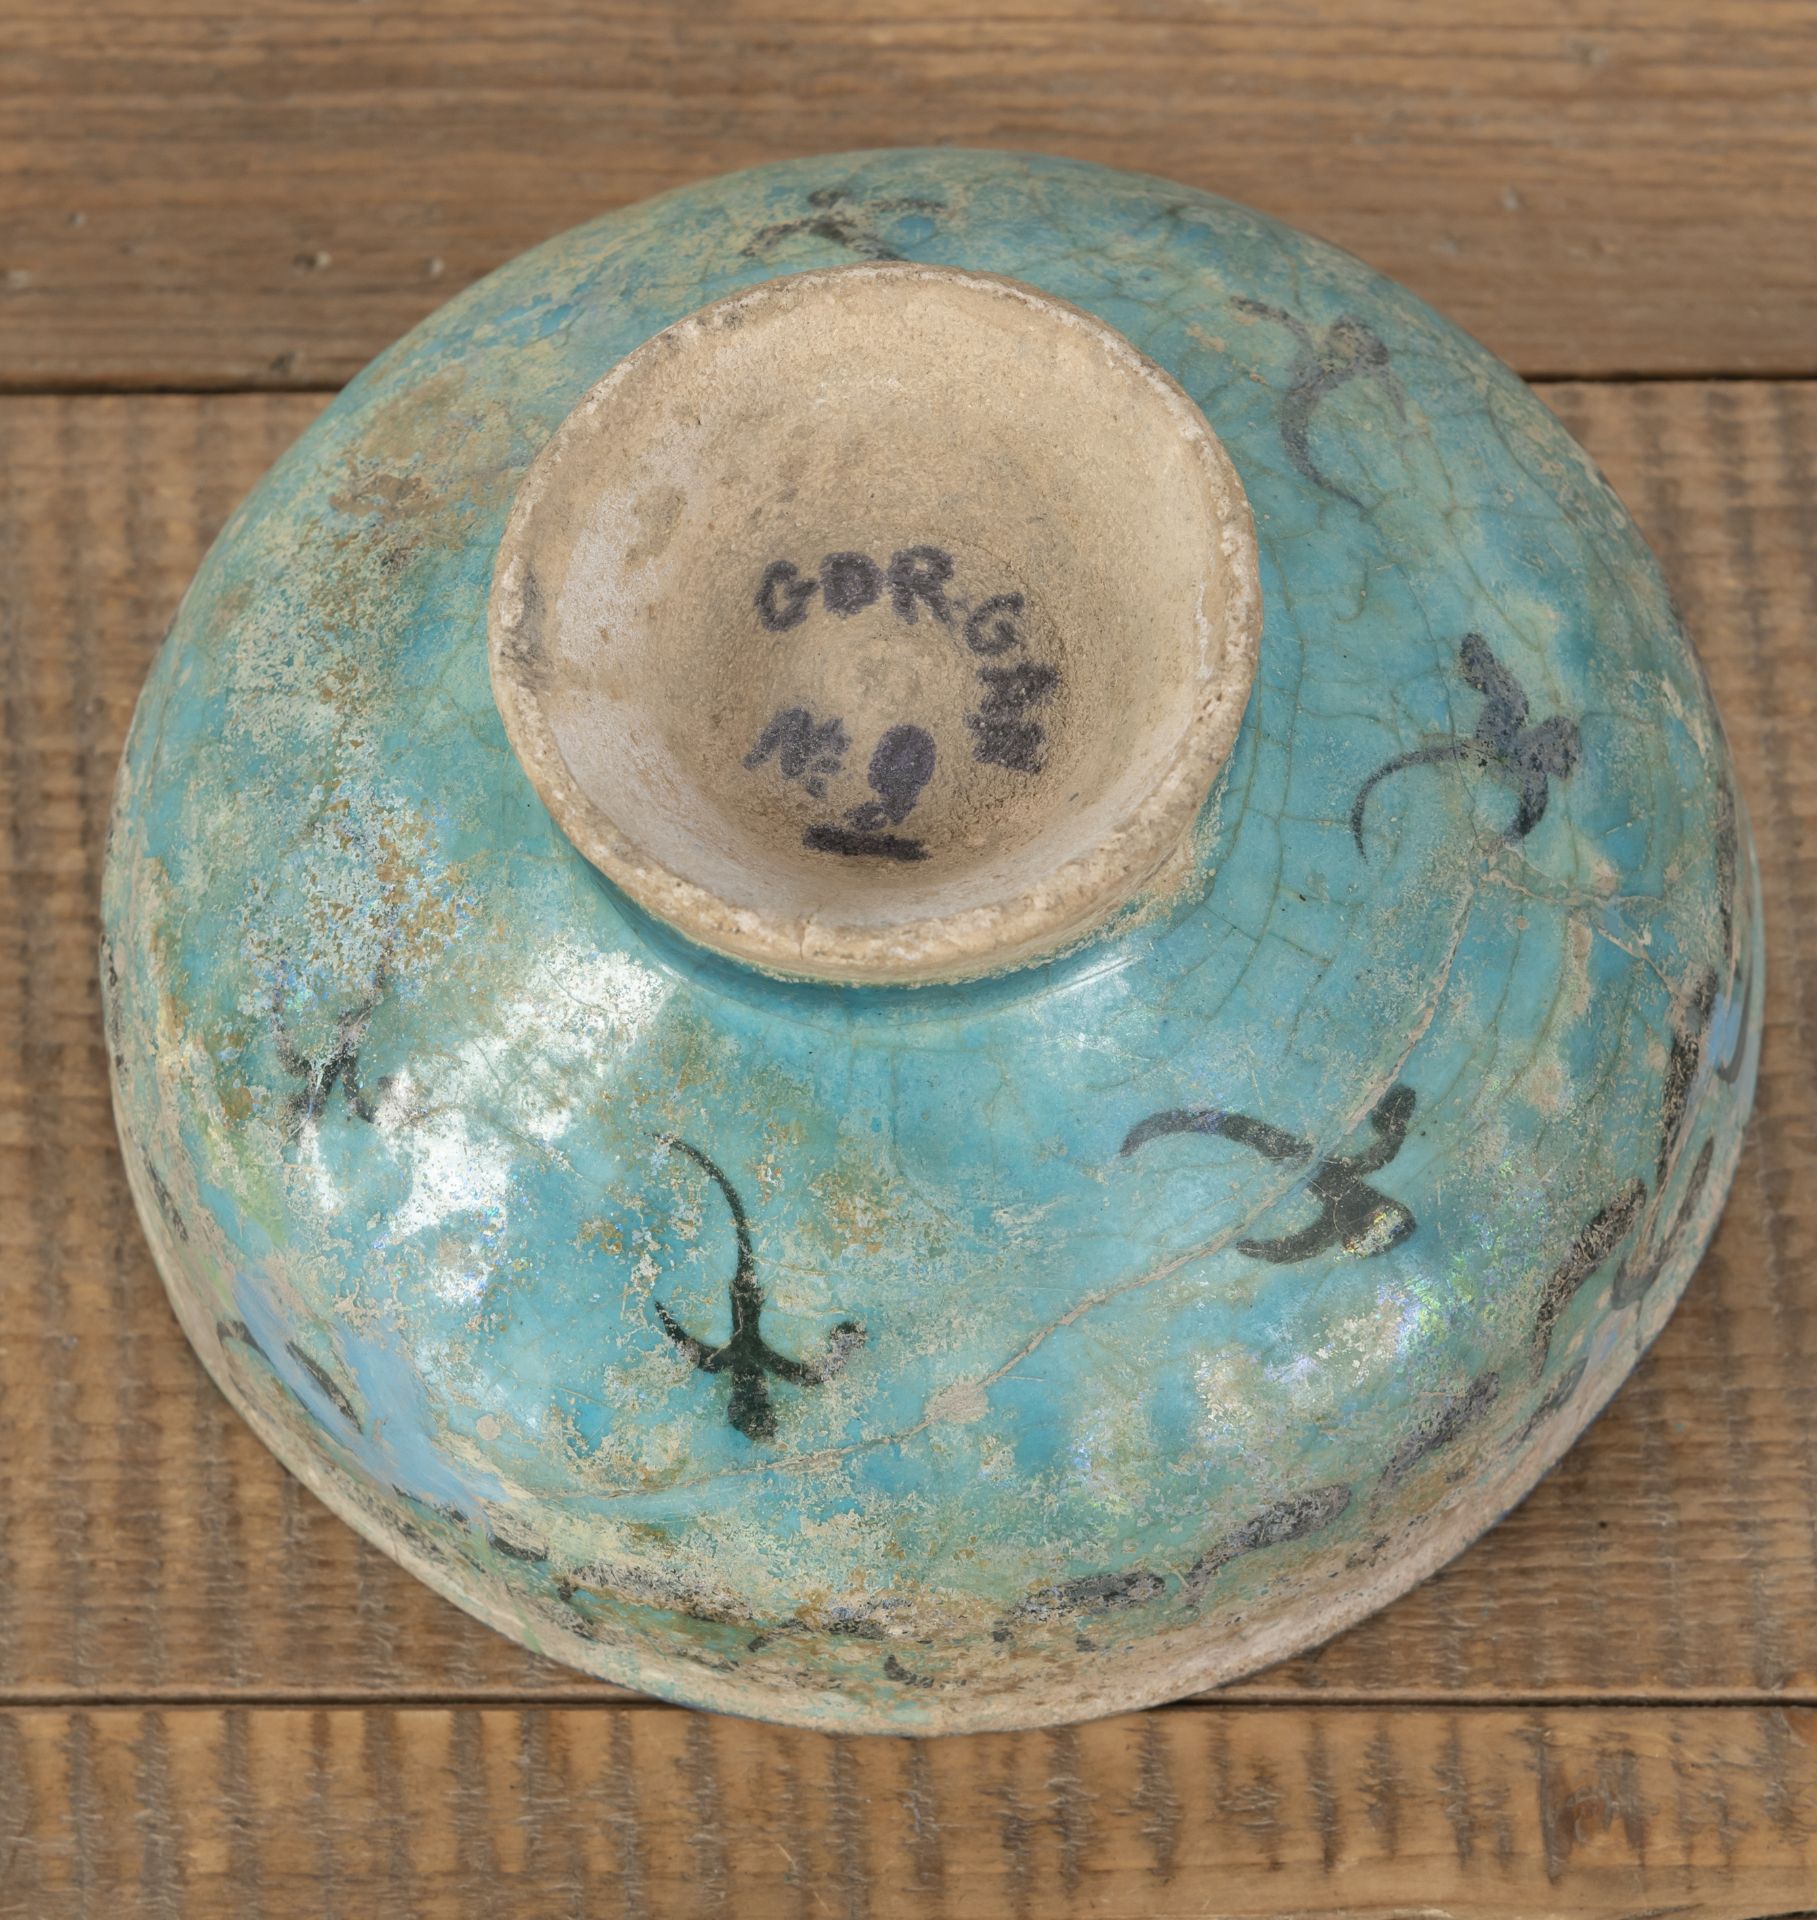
x: 230, y: 196
x: 214, y: 1700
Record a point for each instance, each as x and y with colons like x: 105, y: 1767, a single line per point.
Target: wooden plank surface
x: 214, y: 1700
x: 150, y: 1549
x: 222, y: 196
x: 622, y: 1810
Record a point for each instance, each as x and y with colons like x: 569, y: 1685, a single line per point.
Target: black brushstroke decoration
x: 1526, y: 757
x: 1690, y: 1031
x: 167, y: 1205
x: 1097, y: 1594
x: 338, y: 1067
x: 1728, y: 865
x: 1344, y: 351
x: 1286, y: 1520
x: 1091, y: 1593
x: 746, y: 1356
x: 835, y: 218
x: 1449, y: 1420
x: 1728, y: 908
x: 1636, y: 1276
x: 1557, y: 1396
x: 1352, y: 1214
x: 112, y: 1005
x: 240, y: 1334
x: 327, y: 1385
x: 1592, y: 1248
x: 1611, y: 1225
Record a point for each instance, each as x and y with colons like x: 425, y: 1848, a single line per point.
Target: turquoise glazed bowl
x: 913, y: 1336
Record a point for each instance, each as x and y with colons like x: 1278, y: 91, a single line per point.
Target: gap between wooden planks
x: 238, y: 197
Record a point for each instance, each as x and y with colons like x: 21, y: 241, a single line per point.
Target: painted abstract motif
x: 922, y: 1359
x: 1352, y: 1214
x: 745, y: 1357
x: 1525, y: 757
x: 334, y: 1069
x: 1328, y: 357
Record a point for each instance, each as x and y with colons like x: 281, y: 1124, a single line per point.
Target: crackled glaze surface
x: 961, y: 1356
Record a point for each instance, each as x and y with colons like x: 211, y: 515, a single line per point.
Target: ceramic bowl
x: 928, y: 940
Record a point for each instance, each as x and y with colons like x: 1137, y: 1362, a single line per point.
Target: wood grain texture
x: 622, y: 1810
x: 220, y: 196
x: 214, y: 1699
x: 151, y: 1549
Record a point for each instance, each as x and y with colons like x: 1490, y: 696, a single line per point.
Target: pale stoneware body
x: 1013, y: 1347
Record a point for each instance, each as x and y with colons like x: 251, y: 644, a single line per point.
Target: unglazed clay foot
x: 888, y: 623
